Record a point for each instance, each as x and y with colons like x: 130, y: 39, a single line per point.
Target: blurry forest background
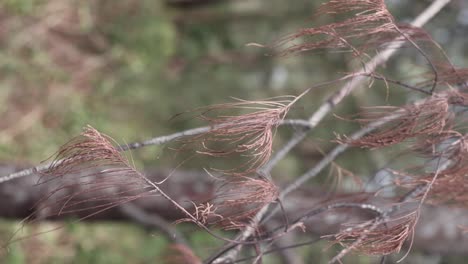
x: 126, y: 67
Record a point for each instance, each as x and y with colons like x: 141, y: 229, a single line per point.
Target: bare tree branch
x: 139, y: 144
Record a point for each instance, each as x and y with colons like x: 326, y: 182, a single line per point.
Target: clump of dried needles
x: 247, y: 135
x: 89, y: 174
x: 367, y: 24
x: 235, y: 201
x: 378, y: 237
x: 238, y: 199
x: 424, y: 122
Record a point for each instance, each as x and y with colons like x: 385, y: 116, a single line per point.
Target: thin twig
x: 153, y: 220
x: 280, y: 248
x: 402, y: 84
x: 358, y: 241
x: 363, y: 206
x: 164, y: 139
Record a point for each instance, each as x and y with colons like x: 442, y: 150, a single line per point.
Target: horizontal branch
x: 140, y: 144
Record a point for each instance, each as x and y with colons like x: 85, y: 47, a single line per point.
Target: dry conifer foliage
x: 91, y: 174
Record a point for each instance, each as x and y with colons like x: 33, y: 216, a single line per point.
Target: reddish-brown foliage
x: 89, y: 174
x: 432, y: 118
x: 448, y: 75
x: 180, y: 254
x: 235, y: 202
x: 449, y: 181
x: 240, y: 198
x: 247, y: 135
x: 368, y: 19
x: 378, y: 238
x: 390, y: 39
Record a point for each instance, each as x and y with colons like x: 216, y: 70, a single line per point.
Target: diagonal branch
x: 354, y: 83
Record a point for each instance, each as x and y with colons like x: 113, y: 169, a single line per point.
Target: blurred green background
x: 127, y: 66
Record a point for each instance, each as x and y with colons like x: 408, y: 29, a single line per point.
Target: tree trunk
x: 438, y: 230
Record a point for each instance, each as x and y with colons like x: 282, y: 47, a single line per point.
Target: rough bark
x: 191, y: 3
x: 438, y: 230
